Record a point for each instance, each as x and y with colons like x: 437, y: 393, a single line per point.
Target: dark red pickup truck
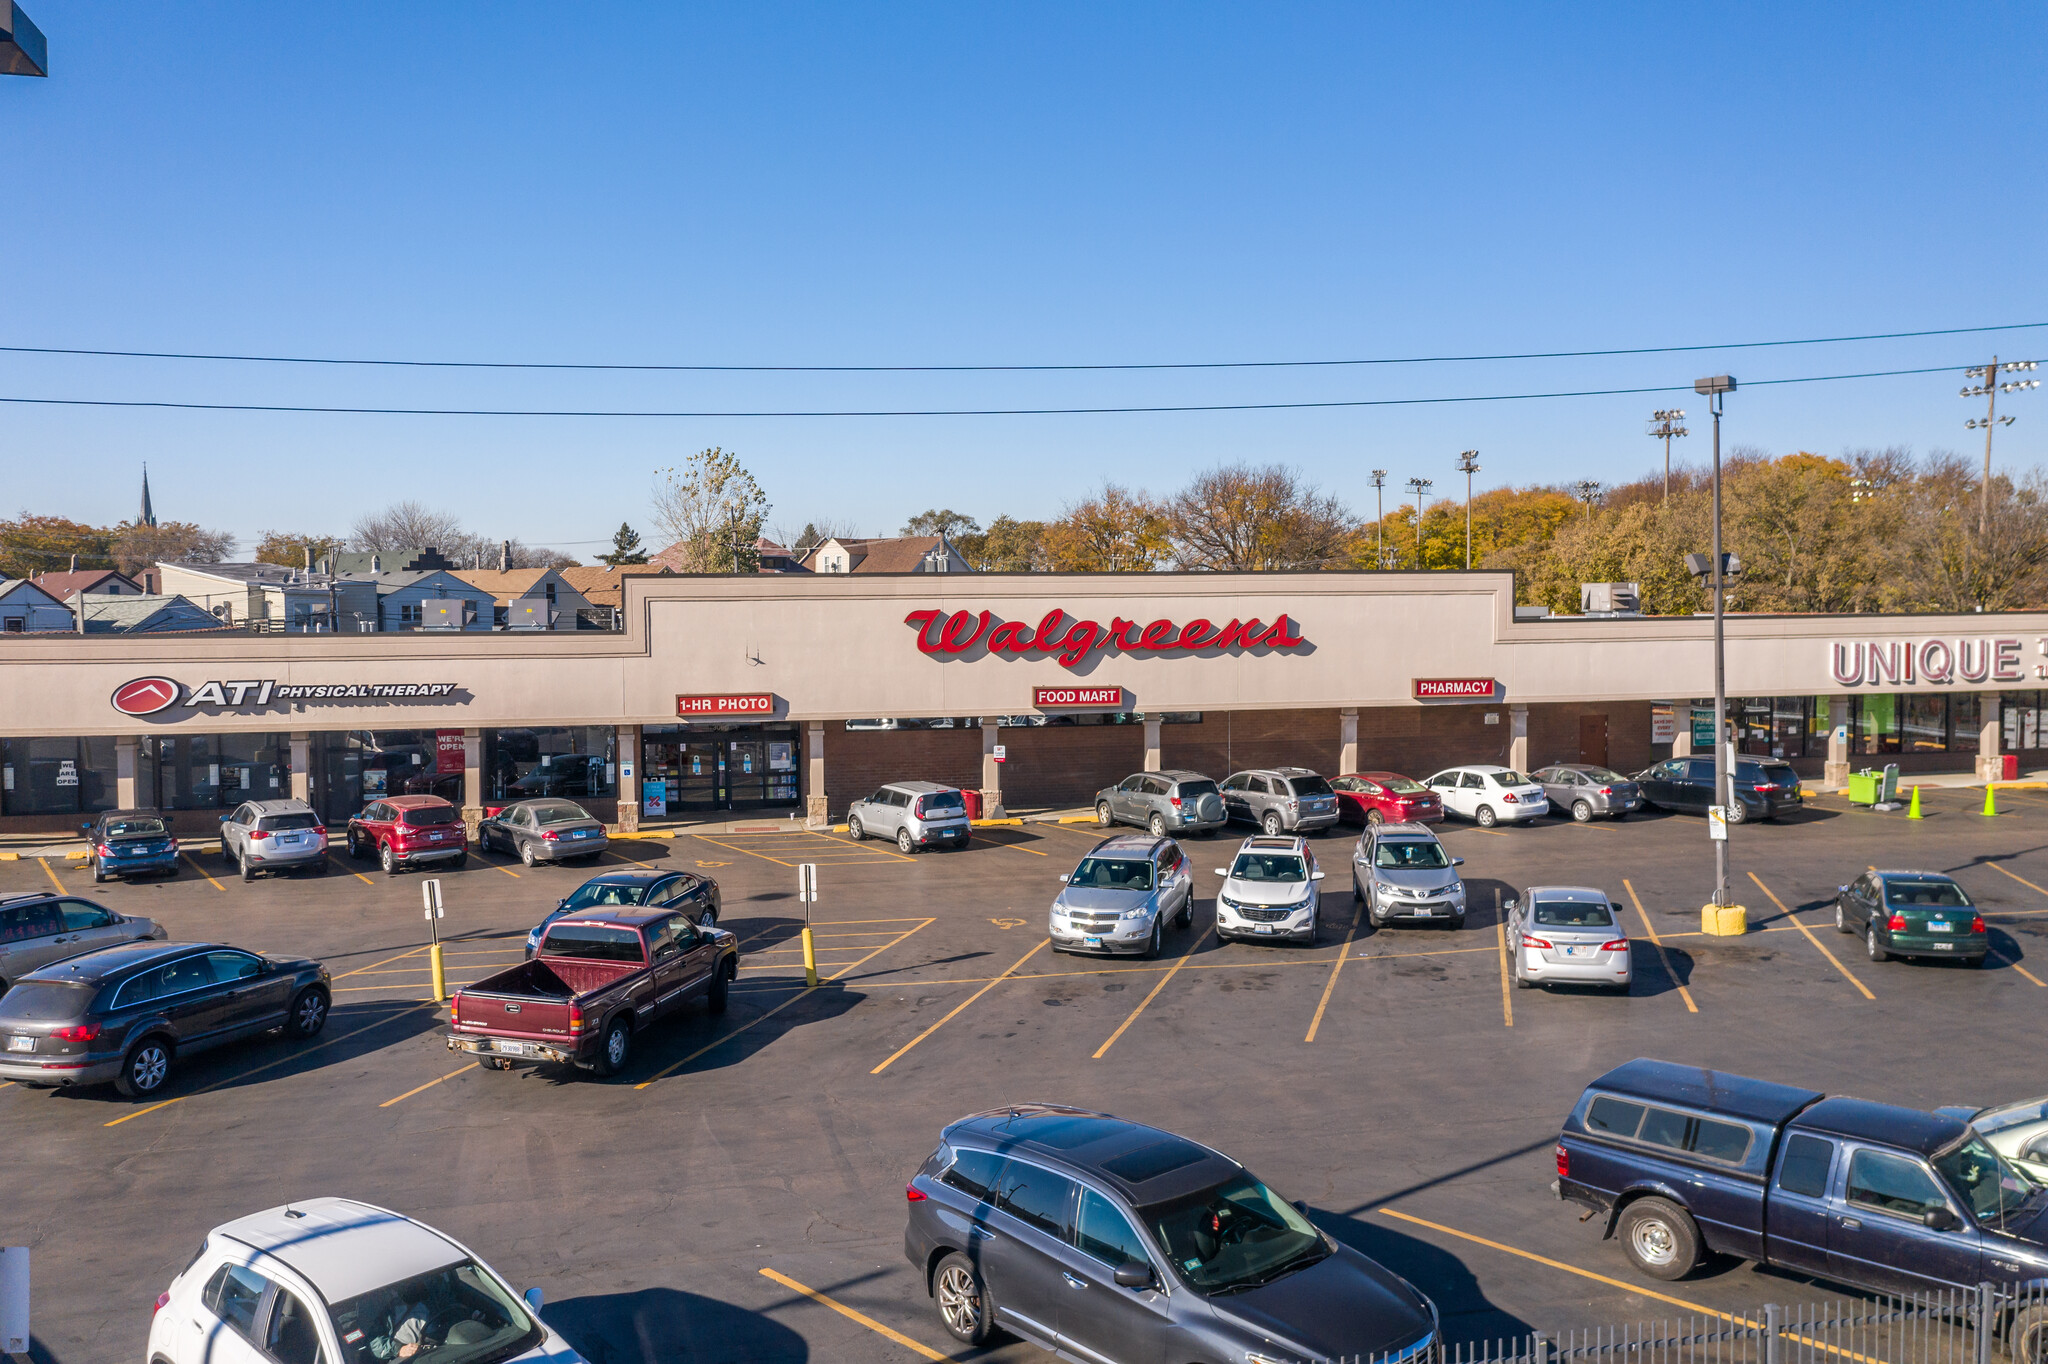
x: 596, y: 981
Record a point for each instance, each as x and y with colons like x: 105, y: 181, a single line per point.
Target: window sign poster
x: 67, y: 773
x: 747, y: 763
x: 782, y: 757
x: 696, y: 765
x: 10, y: 777
x: 1663, y: 725
x: 213, y: 775
x: 373, y: 782
x: 654, y: 799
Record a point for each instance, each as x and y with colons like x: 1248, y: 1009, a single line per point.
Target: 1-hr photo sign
x: 698, y: 707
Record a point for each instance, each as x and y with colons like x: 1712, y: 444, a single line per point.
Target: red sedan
x: 1380, y: 797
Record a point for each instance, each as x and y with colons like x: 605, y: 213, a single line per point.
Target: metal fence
x: 1986, y: 1325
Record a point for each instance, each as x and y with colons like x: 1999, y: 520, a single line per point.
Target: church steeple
x: 148, y: 517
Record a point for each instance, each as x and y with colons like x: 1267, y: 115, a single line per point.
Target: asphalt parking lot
x: 737, y: 1195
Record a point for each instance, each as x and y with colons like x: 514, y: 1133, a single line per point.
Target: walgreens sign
x: 1072, y: 639
x: 1926, y: 662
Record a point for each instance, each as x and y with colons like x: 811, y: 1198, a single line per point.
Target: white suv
x: 1488, y: 793
x: 1269, y: 891
x: 334, y: 1281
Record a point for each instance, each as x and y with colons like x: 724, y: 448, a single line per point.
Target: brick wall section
x: 1232, y: 741
x: 1554, y: 734
x: 1063, y: 766
x: 860, y: 760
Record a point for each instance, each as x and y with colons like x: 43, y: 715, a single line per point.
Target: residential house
x: 897, y: 554
x: 427, y: 600
x: 28, y: 609
x: 264, y: 596
x: 531, y: 598
x: 772, y: 557
x: 355, y: 563
x: 101, y: 614
x: 604, y: 587
x: 68, y: 583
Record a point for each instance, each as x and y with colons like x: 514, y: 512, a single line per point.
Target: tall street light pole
x: 1469, y: 464
x: 1989, y: 390
x: 1420, y: 487
x: 1716, y: 389
x: 1379, y: 493
x: 1589, y: 493
x: 1665, y: 425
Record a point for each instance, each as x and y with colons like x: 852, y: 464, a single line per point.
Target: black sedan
x: 127, y: 1014
x: 545, y: 830
x: 1764, y: 788
x: 695, y: 896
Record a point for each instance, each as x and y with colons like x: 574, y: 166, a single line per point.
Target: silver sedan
x: 1589, y: 792
x: 1568, y: 935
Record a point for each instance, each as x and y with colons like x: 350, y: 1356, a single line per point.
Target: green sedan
x: 1912, y: 914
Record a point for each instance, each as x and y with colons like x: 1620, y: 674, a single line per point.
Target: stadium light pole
x: 1589, y: 493
x: 1469, y: 464
x: 1379, y: 494
x: 1716, y: 388
x: 1665, y: 425
x: 1989, y: 389
x: 1420, y: 487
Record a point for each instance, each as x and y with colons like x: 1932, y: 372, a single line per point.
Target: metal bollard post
x: 1986, y: 1295
x: 1774, y: 1322
x: 440, y: 975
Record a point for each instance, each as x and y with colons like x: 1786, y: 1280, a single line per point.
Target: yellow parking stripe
x: 473, y: 1065
x: 350, y: 870
x: 1357, y: 912
x: 1810, y: 938
x: 957, y: 1008
x: 202, y: 871
x: 51, y: 874
x: 1658, y: 943
x: 1161, y: 985
x: 1507, y: 1002
x: 2021, y: 879
x: 922, y: 1351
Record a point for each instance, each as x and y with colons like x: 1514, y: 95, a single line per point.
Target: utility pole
x: 1989, y: 389
x: 1420, y: 487
x: 1379, y: 494
x: 1469, y: 463
x: 1589, y: 493
x: 1665, y: 425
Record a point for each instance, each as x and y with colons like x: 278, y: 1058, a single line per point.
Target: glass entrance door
x: 699, y: 781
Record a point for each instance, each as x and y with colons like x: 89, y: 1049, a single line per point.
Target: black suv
x: 1103, y: 1239
x: 1764, y: 788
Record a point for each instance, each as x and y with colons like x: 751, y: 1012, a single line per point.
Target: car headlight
x: 1382, y: 888
x: 1140, y: 912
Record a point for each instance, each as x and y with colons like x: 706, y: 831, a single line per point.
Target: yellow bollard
x: 440, y: 975
x: 1990, y: 807
x: 810, y: 958
x: 1913, y: 812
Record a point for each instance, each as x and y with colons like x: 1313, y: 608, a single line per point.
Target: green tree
x: 712, y: 507
x: 44, y: 544
x: 948, y: 523
x: 625, y: 548
x: 1007, y: 546
x: 284, y: 547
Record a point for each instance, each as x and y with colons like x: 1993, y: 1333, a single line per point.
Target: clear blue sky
x: 905, y: 184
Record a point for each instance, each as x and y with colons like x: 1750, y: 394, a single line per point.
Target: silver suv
x: 37, y: 929
x: 1400, y: 871
x: 273, y: 835
x: 1269, y: 891
x: 917, y: 814
x: 1120, y: 898
x: 1281, y: 799
x: 1164, y: 802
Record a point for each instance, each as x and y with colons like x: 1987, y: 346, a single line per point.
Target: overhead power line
x: 997, y: 369
x: 942, y: 411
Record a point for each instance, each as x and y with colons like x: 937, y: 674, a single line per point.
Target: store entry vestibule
x: 689, y: 768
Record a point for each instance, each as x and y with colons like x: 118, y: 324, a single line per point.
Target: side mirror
x: 561, y: 904
x: 1301, y: 1206
x: 1063, y: 876
x: 1941, y: 1219
x: 533, y: 1297
x: 1132, y: 1274
x: 1512, y: 902
x: 86, y: 828
x: 1222, y: 871
x: 223, y: 819
x: 1841, y: 890
x: 1615, y: 905
x: 1317, y: 875
x: 1457, y: 861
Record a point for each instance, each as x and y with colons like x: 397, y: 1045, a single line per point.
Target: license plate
x: 1091, y: 942
x: 1943, y: 946
x: 1577, y: 951
x: 21, y: 1044
x: 1262, y: 928
x: 1423, y: 911
x: 1933, y: 927
x: 511, y: 1048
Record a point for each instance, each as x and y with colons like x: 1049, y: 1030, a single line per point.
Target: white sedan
x: 1487, y: 794
x: 2017, y: 1131
x: 334, y: 1281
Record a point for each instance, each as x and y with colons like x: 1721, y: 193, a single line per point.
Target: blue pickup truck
x: 1685, y: 1161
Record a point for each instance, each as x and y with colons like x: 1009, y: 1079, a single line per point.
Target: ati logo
x: 148, y: 695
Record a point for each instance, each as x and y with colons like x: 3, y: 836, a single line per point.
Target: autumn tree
x: 1239, y: 518
x: 138, y: 547
x: 1007, y: 546
x: 712, y: 507
x: 296, y: 551
x: 413, y: 525
x: 32, y: 544
x: 1115, y: 531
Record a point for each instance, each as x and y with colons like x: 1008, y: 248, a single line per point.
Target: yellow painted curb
x: 1079, y: 819
x: 990, y: 823
x: 838, y: 828
x: 75, y: 856
x: 10, y: 857
x: 1724, y: 921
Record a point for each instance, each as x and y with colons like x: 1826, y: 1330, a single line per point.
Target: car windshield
x: 1572, y: 914
x: 428, y: 816
x: 1268, y: 867
x: 457, y: 1315
x: 1507, y: 776
x: 1600, y: 776
x: 129, y: 828
x: 1410, y: 854
x: 1928, y: 891
x: 1402, y: 786
x: 2012, y: 1115
x: 593, y: 893
x: 1987, y: 1185
x: 558, y: 812
x: 1113, y: 873
x: 1309, y: 786
x: 1237, y: 1235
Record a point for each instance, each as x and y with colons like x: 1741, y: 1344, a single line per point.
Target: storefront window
x: 214, y: 771
x: 1877, y: 723
x: 2022, y: 717
x: 1923, y: 727
x: 718, y: 767
x: 577, y: 760
x: 1964, y: 722
x: 57, y: 776
x: 360, y: 765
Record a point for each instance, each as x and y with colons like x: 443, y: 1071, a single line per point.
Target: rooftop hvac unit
x: 1610, y: 599
x: 527, y: 616
x: 442, y: 613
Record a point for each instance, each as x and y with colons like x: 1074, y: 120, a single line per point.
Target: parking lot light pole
x: 1716, y: 389
x: 1379, y: 492
x: 1469, y: 463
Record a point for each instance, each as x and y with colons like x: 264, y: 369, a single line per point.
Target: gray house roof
x: 141, y: 615
x: 357, y: 562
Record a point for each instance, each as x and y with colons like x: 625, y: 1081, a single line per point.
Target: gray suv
x: 1400, y: 871
x: 917, y: 814
x: 1164, y: 802
x: 273, y: 835
x: 1281, y: 799
x: 1121, y: 897
x: 38, y: 929
x: 1102, y: 1239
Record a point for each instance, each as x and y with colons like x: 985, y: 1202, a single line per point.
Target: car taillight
x: 1509, y: 797
x: 1537, y: 942
x: 163, y: 1300
x: 84, y: 1032
x: 1897, y: 923
x: 455, y: 1007
x: 1764, y: 786
x: 105, y: 851
x: 1564, y: 1162
x: 551, y: 836
x: 172, y: 846
x: 1175, y: 800
x: 918, y: 809
x: 575, y: 1018
x: 1618, y: 945
x: 1606, y: 790
x: 913, y: 1194
x: 1977, y: 924
x: 259, y: 834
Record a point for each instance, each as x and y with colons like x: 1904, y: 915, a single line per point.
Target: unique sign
x: 1056, y: 698
x: 1926, y: 662
x: 695, y: 707
x: 1455, y: 688
x: 1073, y: 640
x: 154, y: 695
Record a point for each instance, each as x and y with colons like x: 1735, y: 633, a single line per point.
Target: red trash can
x: 973, y: 799
x: 2009, y: 766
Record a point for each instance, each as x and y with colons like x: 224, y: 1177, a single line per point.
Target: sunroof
x: 1065, y: 1131
x: 1149, y: 1162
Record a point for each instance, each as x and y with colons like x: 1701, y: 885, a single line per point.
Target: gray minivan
x: 917, y: 814
x: 40, y: 928
x: 1163, y: 802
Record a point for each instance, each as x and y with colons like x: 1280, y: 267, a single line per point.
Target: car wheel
x: 1102, y: 815
x: 1457, y: 922
x: 355, y: 847
x: 145, y: 1069
x: 1659, y: 1239
x: 962, y: 1299
x: 1522, y: 982
x: 1872, y: 947
x: 99, y: 874
x: 616, y: 1047
x: 1157, y: 825
x: 1582, y: 811
x: 1375, y: 818
x: 2027, y: 1336
x: 1187, y: 912
x: 1157, y: 941
x: 708, y: 919
x: 1841, y: 919
x: 1738, y: 813
x: 1357, y: 891
x: 387, y: 860
x: 721, y: 982
x: 248, y: 872
x: 308, y: 1013
x: 904, y: 844
x: 526, y: 854
x: 855, y: 830
x: 1271, y: 823
x: 457, y: 862
x: 1486, y: 817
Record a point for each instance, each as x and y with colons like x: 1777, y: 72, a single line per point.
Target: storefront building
x: 798, y: 693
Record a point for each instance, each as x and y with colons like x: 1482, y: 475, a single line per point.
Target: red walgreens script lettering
x: 941, y: 633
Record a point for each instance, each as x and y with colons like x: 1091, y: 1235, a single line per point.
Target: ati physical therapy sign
x: 1072, y: 640
x: 155, y: 695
